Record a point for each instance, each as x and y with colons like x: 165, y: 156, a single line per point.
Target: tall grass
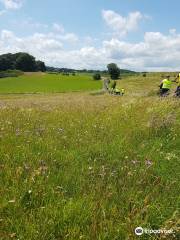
x: 77, y: 166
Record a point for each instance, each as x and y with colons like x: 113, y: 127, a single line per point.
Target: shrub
x: 10, y: 73
x: 97, y: 76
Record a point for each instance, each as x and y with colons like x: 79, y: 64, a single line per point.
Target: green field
x: 48, y: 83
x: 88, y: 166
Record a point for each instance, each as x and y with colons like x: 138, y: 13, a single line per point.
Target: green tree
x: 40, y: 66
x: 113, y: 70
x: 25, y: 62
x: 21, y: 61
x: 97, y: 76
x: 6, y: 62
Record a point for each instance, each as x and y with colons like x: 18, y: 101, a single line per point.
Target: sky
x: 139, y: 35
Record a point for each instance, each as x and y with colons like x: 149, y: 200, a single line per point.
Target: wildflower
x: 148, y: 162
x: 130, y: 174
x: 113, y: 173
x: 18, y: 133
x: 12, y: 235
x: 42, y: 169
x: 60, y: 130
x: 135, y: 162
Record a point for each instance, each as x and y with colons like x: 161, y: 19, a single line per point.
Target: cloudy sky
x: 136, y: 34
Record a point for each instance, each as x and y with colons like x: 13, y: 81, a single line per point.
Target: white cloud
x: 37, y: 44
x: 122, y: 25
x: 12, y: 4
x: 58, y: 27
x: 156, y: 51
x: 69, y: 37
x: 50, y: 48
x: 172, y: 31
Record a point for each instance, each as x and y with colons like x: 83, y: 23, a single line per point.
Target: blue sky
x: 136, y: 34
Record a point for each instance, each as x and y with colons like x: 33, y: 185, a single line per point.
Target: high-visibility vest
x: 117, y: 90
x: 166, y: 84
x: 178, y: 80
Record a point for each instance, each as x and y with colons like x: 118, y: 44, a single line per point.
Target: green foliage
x: 113, y: 70
x: 97, y: 76
x: 7, y: 61
x: 25, y: 62
x: 144, y: 74
x: 20, y: 61
x: 40, y: 66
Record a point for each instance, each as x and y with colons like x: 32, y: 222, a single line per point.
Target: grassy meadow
x: 48, y: 83
x: 89, y: 166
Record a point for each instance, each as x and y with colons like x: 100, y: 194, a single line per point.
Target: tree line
x: 21, y: 61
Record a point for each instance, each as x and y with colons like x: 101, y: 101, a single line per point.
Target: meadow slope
x: 86, y: 166
x: 48, y: 83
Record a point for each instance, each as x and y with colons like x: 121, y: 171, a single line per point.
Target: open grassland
x: 81, y: 166
x: 48, y: 83
x: 145, y: 86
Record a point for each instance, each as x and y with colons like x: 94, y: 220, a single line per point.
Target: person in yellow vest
x: 177, y: 80
x: 166, y: 86
x: 122, y: 91
x: 117, y: 91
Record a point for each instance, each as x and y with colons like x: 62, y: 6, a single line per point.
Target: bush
x: 10, y: 73
x: 65, y: 74
x: 97, y: 76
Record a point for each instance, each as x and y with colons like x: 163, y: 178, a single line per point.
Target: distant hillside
x: 69, y: 70
x: 125, y: 71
